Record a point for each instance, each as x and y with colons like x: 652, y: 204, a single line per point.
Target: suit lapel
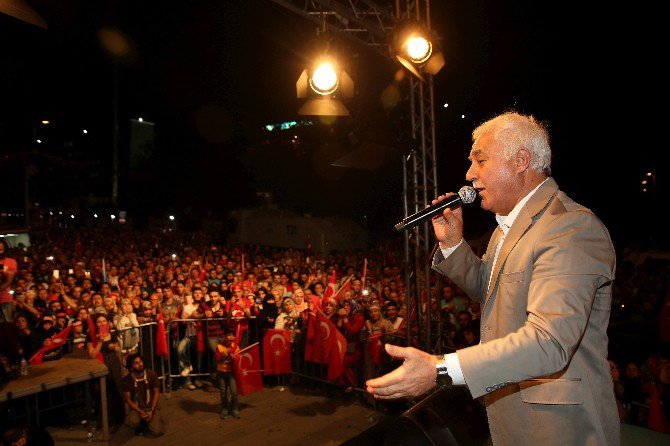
x: 491, y: 252
x: 523, y: 222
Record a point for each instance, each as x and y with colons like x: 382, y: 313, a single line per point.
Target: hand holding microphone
x: 466, y: 194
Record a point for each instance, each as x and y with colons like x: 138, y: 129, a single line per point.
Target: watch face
x: 443, y: 380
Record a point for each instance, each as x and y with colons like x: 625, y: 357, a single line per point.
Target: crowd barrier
x: 191, y: 344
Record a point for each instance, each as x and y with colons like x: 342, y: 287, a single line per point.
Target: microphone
x: 466, y: 194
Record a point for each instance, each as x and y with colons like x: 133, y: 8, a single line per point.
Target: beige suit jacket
x: 542, y: 365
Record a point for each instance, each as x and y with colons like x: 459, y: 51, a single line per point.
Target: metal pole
x: 115, y: 148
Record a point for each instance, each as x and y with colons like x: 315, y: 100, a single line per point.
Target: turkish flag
x: 277, y: 352
x: 343, y: 288
x: 55, y: 341
x: 336, y: 357
x: 93, y: 334
x: 375, y: 348
x: 331, y: 288
x: 320, y: 338
x: 247, y: 370
x: 161, y: 338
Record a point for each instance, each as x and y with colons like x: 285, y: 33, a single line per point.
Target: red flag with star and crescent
x: 277, y: 352
x: 247, y: 370
x: 331, y: 288
x: 336, y: 357
x: 320, y: 338
x: 375, y: 348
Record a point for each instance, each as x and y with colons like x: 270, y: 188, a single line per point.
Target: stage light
x: 416, y: 49
x: 323, y: 85
x: 324, y: 79
x: 171, y: 217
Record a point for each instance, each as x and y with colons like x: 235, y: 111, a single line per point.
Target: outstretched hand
x: 413, y: 378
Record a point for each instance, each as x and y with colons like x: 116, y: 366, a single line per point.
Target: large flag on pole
x: 277, y: 352
x: 247, y: 370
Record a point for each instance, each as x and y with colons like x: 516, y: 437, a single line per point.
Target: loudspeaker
x: 447, y: 417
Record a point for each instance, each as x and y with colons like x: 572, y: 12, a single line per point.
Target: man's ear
x: 522, y: 159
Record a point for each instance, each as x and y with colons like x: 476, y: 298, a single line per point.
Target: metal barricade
x: 142, y: 340
x: 192, y: 344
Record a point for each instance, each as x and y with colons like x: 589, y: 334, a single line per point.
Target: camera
x: 257, y: 300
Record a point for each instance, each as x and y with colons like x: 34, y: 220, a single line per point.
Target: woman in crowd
x: 300, y: 304
x: 101, y: 344
x: 330, y: 308
x: 127, y: 334
x: 350, y: 321
x: 269, y: 312
x: 289, y: 319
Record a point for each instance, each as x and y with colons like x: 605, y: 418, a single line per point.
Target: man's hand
x: 449, y: 226
x: 413, y: 378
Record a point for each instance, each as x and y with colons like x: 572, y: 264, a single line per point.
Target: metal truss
x: 362, y: 21
x: 419, y: 193
x: 371, y: 23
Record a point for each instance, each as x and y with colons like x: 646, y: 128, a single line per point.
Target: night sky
x: 211, y: 74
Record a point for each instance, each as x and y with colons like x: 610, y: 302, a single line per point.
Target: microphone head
x: 467, y: 194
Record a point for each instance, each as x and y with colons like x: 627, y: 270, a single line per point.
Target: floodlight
x: 416, y: 49
x: 324, y: 79
x: 323, y: 85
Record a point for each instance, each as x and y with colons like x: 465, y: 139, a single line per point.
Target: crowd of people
x: 123, y: 279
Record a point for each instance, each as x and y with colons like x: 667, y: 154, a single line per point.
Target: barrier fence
x: 192, y: 343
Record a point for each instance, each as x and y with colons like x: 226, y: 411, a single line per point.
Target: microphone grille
x: 467, y: 194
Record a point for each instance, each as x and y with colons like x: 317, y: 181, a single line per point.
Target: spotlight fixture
x: 416, y: 49
x: 323, y: 85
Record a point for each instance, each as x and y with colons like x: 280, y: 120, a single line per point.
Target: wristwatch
x: 442, y: 379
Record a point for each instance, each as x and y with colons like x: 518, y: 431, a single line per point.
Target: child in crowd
x: 225, y: 351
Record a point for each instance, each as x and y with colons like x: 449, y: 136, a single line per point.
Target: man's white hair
x: 512, y: 131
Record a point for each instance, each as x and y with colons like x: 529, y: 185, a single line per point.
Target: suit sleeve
x: 572, y: 260
x: 465, y: 269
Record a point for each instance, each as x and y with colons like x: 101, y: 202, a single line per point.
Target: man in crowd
x: 141, y: 391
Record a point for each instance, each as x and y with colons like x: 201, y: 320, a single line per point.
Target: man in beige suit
x: 545, y: 284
